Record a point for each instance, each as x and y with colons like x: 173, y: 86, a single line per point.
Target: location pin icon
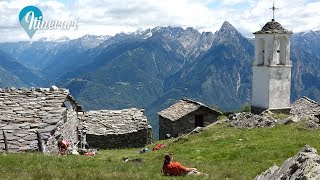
x: 30, y: 17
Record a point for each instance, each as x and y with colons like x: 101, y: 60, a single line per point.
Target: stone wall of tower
x: 260, y: 86
x: 280, y: 83
x: 271, y: 87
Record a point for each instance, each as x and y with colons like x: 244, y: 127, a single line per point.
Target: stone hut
x: 109, y: 129
x: 184, y: 116
x: 305, y: 107
x: 34, y: 119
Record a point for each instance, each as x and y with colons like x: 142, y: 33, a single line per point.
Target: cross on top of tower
x: 273, y: 9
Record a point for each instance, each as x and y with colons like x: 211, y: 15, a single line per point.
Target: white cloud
x: 104, y: 17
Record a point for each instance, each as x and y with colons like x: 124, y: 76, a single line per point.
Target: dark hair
x: 167, y: 159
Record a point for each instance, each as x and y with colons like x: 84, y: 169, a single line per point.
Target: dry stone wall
x: 29, y: 117
x: 107, y: 129
x: 115, y: 141
x: 67, y: 131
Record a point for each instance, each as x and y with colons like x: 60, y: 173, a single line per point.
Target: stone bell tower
x: 271, y: 69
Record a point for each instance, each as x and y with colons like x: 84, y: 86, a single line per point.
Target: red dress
x: 174, y: 169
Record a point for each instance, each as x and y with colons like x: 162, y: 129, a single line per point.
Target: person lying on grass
x: 171, y: 168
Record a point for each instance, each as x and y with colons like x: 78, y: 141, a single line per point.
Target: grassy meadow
x: 221, y: 151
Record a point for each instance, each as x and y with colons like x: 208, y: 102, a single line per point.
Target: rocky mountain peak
x: 227, y: 33
x: 192, y: 30
x: 227, y: 28
x: 168, y: 32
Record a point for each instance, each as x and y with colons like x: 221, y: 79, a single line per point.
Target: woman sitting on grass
x: 176, y: 169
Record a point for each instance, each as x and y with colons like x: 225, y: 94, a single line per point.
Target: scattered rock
x: 249, y: 120
x: 290, y: 119
x: 312, y: 122
x: 304, y: 165
x: 267, y: 112
x: 197, y: 130
x: 137, y: 160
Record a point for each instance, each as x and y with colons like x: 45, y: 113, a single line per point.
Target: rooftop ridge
x: 200, y: 103
x: 123, y: 121
x: 273, y: 27
x: 37, y: 89
x: 310, y: 100
x: 181, y: 108
x: 114, y: 110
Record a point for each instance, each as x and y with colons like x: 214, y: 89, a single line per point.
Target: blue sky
x: 107, y: 17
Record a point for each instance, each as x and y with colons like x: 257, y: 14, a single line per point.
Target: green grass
x: 222, y: 117
x: 280, y: 116
x: 222, y: 152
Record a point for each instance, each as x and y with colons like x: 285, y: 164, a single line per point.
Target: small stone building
x: 108, y: 129
x: 184, y: 116
x: 34, y: 119
x: 305, y: 107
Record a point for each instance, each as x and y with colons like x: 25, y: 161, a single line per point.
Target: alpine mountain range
x: 153, y: 68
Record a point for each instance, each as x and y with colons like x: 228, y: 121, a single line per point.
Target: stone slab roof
x: 305, y: 106
x: 104, y: 122
x: 182, y: 108
x: 31, y: 105
x: 273, y: 27
x: 23, y: 112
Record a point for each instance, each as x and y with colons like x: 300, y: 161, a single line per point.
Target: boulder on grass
x: 304, y: 165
